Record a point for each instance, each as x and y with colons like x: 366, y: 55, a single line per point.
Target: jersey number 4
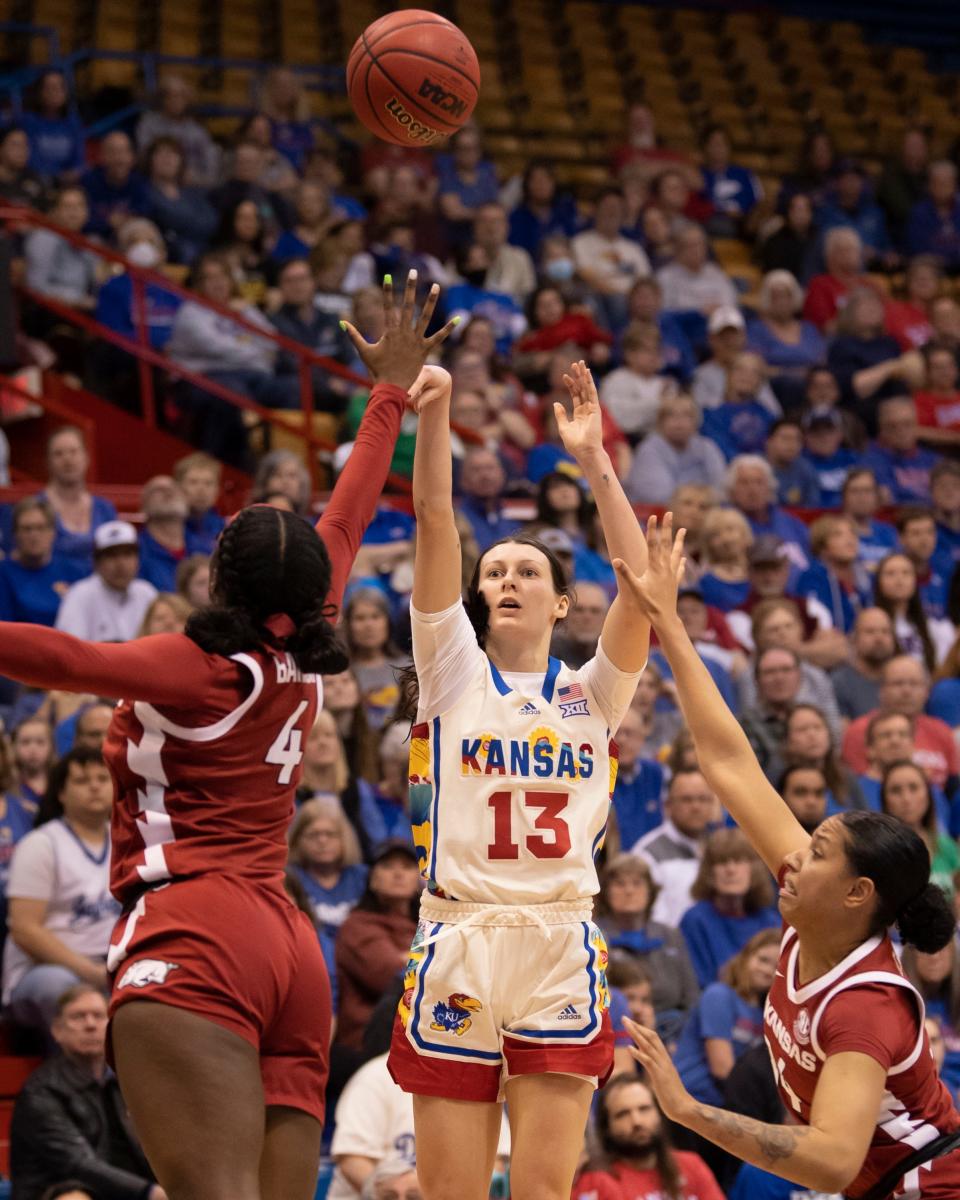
x: 287, y: 749
x: 550, y: 804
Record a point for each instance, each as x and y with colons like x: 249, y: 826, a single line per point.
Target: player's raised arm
x: 626, y: 636
x: 394, y: 363
x: 723, y: 752
x: 436, y: 573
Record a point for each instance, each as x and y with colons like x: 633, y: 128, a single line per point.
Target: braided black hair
x: 270, y: 561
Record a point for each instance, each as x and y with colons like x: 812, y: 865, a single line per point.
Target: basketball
x: 413, y: 78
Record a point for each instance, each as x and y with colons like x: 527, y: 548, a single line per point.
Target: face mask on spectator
x: 559, y: 269
x: 144, y: 254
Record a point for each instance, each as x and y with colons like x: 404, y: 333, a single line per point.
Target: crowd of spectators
x: 833, y: 635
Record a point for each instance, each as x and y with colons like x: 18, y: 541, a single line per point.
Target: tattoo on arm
x: 774, y: 1142
x: 605, y: 478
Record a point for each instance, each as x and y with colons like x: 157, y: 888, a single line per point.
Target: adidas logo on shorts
x: 529, y: 710
x: 568, y: 1014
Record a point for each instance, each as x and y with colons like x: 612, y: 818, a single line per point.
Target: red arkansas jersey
x: 209, y: 788
x: 865, y: 1004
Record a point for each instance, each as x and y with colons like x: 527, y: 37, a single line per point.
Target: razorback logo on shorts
x: 146, y: 971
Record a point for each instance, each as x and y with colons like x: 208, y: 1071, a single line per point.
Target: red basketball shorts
x: 240, y: 955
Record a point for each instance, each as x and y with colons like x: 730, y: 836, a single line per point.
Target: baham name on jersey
x: 509, y: 795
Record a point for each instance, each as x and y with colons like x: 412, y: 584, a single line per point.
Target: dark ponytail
x: 269, y: 561
x: 897, y: 860
x: 478, y: 613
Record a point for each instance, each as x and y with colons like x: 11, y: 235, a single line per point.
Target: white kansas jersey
x: 510, y: 775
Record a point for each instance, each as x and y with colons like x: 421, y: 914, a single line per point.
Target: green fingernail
x: 456, y: 320
x: 388, y: 279
x: 343, y: 326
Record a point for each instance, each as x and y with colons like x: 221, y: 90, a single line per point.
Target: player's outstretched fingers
x: 653, y: 539
x: 426, y: 313
x: 409, y: 298
x: 359, y: 341
x: 442, y: 334
x: 390, y: 317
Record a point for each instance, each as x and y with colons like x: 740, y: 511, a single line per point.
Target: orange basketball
x: 413, y: 77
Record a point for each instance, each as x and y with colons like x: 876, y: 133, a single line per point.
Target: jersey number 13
x: 548, y: 820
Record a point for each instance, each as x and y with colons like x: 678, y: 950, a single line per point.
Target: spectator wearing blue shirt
x: 33, y: 579
x: 797, y: 483
x: 933, y: 226
x: 198, y: 476
x: 541, y: 211
x: 860, y: 500
x: 79, y: 513
x: 825, y: 452
x: 286, y: 103
x: 482, y: 480
x: 918, y: 539
x: 753, y: 1183
x: 836, y: 580
x: 740, y: 425
x: 325, y: 857
x: 733, y: 191
x: 849, y: 202
x: 465, y: 182
x: 900, y: 464
x: 55, y: 133
x: 752, y: 488
x: 183, y: 214
x: 867, y: 362
x: 945, y: 496
x: 733, y: 898
x: 164, y: 539
x: 639, y: 787
x: 472, y: 298
x: 644, y: 304
x: 115, y: 190
x: 789, y: 345
x: 313, y: 220
x: 141, y: 242
x: 727, y: 1020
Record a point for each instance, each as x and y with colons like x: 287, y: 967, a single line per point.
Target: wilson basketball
x: 413, y: 78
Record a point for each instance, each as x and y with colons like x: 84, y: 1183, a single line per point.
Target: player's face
x: 321, y: 844
x: 516, y: 582
x: 731, y: 878
x: 81, y: 1029
x: 819, y: 883
x: 906, y: 795
x: 368, y: 625
x: 633, y: 1116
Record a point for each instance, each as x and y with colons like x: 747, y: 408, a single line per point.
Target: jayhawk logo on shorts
x: 453, y: 1014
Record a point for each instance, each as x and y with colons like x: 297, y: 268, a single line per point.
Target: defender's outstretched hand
x: 651, y: 1054
x: 583, y: 431
x: 655, y: 591
x: 402, y: 350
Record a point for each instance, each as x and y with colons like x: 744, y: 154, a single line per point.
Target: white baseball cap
x: 114, y: 533
x: 726, y: 317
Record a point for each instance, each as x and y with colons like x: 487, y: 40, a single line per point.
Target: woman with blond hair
x: 325, y: 858
x: 733, y: 899
x: 726, y: 539
x: 167, y: 613
x: 728, y: 1019
x: 326, y: 772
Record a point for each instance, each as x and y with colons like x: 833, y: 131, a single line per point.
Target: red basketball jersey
x: 864, y: 1004
x: 209, y: 789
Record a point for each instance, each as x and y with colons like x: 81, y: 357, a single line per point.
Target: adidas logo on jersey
x: 529, y: 710
x: 568, y: 1014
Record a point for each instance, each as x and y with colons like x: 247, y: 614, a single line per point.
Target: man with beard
x: 636, y: 1160
x: 165, y: 539
x: 857, y: 682
x: 804, y: 790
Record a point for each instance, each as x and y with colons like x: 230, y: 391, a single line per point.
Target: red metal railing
x: 16, y: 219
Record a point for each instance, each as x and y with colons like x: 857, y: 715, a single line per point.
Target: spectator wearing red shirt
x: 637, y: 1161
x: 552, y: 325
x: 827, y: 293
x: 642, y: 151
x: 908, y: 320
x: 905, y: 688
x: 938, y: 401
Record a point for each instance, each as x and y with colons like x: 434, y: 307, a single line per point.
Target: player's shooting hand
x: 655, y: 591
x: 581, y: 432
x: 403, y: 349
x: 658, y: 1067
x: 433, y: 384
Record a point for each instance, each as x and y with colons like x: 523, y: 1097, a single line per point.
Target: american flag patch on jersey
x: 572, y: 701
